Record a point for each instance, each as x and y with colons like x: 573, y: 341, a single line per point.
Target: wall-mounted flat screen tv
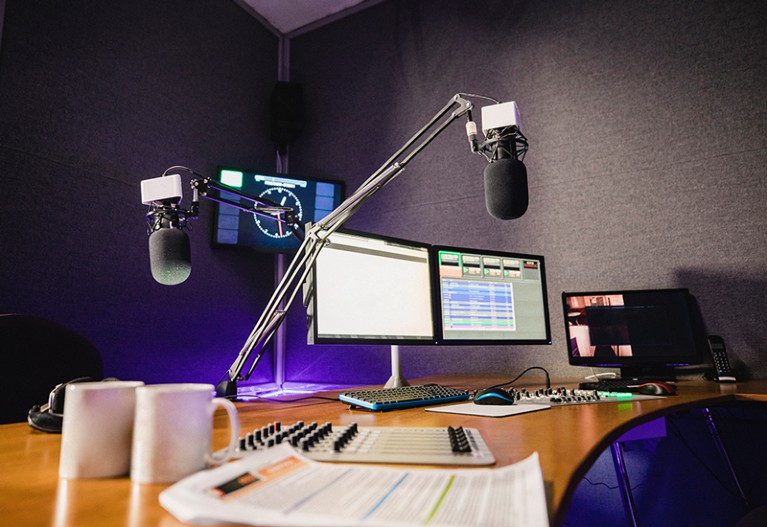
x: 312, y: 199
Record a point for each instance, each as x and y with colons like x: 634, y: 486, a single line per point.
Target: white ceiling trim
x: 294, y: 17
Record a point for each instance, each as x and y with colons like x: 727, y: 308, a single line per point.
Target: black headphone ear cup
x: 44, y: 420
x: 50, y: 416
x: 59, y: 392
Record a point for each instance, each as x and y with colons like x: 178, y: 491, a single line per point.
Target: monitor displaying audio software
x: 490, y: 297
x: 371, y: 289
x: 312, y: 200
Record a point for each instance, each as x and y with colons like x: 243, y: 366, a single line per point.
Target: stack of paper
x: 280, y: 487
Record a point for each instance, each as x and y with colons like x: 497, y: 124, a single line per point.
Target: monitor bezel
x: 546, y: 340
x: 312, y: 329
x: 260, y: 248
x: 659, y: 362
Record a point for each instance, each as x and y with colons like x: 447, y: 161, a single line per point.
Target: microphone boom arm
x: 316, y: 238
x: 260, y: 206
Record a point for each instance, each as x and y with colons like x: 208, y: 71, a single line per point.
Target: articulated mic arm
x: 316, y: 236
x: 259, y: 207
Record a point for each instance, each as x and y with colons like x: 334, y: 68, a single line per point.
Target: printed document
x: 280, y: 487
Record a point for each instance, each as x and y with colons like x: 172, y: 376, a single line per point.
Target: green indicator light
x: 617, y: 395
x: 232, y: 178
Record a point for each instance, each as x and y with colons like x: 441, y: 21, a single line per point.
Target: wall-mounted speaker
x: 288, y: 116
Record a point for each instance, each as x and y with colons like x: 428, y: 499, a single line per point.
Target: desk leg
x: 623, y: 482
x: 714, y: 431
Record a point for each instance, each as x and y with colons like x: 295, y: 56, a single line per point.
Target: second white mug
x: 173, y: 431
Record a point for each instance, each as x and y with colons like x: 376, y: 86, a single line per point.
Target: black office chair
x: 36, y: 354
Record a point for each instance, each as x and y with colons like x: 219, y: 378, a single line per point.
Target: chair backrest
x: 36, y: 354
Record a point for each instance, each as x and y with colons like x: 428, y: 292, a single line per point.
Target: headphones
x: 49, y: 416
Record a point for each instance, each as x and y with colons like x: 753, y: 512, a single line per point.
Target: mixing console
x: 565, y: 397
x: 352, y: 443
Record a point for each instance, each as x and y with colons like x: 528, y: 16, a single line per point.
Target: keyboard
x: 613, y: 385
x: 404, y: 397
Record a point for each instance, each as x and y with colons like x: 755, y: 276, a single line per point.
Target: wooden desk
x: 568, y: 440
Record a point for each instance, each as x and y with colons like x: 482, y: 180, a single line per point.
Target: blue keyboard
x: 404, y: 397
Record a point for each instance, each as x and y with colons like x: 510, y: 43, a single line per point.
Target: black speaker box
x: 287, y: 113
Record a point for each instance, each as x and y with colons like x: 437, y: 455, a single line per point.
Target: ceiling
x: 293, y: 17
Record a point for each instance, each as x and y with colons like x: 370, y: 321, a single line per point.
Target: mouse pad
x: 488, y: 410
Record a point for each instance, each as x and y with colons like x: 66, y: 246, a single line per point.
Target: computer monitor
x: 371, y: 289
x: 490, y: 297
x: 646, y: 333
x: 312, y: 200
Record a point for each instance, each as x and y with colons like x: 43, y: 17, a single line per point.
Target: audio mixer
x: 353, y: 443
x: 567, y: 397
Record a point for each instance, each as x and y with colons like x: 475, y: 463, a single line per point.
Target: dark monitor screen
x: 372, y: 289
x: 631, y: 329
x: 312, y: 200
x: 490, y: 297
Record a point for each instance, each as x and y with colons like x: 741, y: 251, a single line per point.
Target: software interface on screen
x: 371, y: 289
x: 311, y: 199
x: 643, y: 327
x: 491, y: 296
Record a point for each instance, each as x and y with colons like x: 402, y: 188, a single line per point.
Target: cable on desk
x: 515, y: 379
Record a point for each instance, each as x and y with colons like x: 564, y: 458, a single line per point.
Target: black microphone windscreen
x: 170, y: 257
x: 506, y: 189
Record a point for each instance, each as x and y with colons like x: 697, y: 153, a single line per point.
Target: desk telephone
x: 722, y: 370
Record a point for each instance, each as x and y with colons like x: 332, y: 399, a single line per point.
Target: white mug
x: 173, y: 429
x: 97, y: 429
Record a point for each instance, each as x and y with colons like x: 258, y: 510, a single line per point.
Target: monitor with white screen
x: 370, y: 289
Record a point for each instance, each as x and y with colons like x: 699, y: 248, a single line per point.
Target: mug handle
x: 234, y: 428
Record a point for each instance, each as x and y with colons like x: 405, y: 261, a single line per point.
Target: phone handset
x: 722, y: 370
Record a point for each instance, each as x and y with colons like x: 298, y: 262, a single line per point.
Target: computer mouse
x: 656, y: 388
x: 494, y: 396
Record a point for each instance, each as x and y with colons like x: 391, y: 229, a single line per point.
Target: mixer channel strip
x: 357, y: 444
x: 404, y: 397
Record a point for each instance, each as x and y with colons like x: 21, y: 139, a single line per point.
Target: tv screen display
x: 642, y: 329
x: 312, y: 200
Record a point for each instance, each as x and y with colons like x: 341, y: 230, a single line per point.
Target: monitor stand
x: 396, y: 380
x: 653, y: 373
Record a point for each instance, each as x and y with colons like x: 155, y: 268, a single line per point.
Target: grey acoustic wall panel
x: 95, y: 97
x: 646, y: 123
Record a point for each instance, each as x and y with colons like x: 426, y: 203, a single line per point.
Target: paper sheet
x: 488, y: 410
x: 280, y: 487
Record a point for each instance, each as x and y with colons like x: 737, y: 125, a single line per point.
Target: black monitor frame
x: 545, y: 331
x: 257, y: 239
x: 310, y: 299
x: 654, y: 360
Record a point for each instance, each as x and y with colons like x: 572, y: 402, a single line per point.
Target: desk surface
x: 568, y: 439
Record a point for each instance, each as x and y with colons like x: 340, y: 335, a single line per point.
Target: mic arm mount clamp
x: 316, y: 238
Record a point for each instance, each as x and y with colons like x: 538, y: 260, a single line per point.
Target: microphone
x: 506, y: 195
x: 170, y: 257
